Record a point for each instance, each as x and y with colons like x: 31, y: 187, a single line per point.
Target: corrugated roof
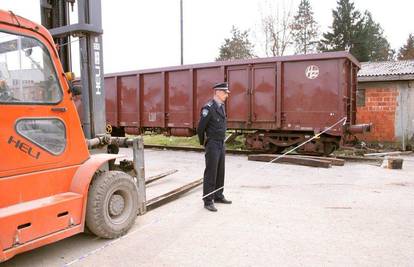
x: 387, y: 70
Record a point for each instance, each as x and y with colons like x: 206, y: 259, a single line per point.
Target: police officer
x: 211, y: 132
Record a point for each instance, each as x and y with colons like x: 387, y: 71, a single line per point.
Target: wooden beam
x: 159, y: 176
x: 359, y: 158
x: 393, y: 153
x: 334, y: 161
x: 291, y: 159
x: 170, y: 196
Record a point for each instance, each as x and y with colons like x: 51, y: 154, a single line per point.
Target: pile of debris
x: 383, y: 158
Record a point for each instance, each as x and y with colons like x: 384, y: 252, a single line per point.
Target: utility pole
x: 181, y: 31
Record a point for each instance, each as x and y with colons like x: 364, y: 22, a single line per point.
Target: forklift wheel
x: 112, y: 204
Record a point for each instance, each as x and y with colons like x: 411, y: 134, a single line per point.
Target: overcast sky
x: 146, y: 34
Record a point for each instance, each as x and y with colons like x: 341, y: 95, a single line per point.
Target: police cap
x: 222, y: 86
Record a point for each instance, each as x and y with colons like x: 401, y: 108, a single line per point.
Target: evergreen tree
x: 304, y: 29
x: 356, y: 33
x: 347, y: 23
x: 407, y: 51
x: 374, y: 44
x: 236, y: 47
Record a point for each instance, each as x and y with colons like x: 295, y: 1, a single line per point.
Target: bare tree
x: 276, y: 29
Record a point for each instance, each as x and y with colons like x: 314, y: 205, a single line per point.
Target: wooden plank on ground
x: 392, y: 153
x: 159, y: 176
x: 170, y: 196
x: 334, y: 161
x: 358, y: 158
x: 292, y: 160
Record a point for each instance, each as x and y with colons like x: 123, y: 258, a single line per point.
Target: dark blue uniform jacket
x: 212, y: 123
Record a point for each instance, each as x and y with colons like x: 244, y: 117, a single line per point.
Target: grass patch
x: 159, y: 139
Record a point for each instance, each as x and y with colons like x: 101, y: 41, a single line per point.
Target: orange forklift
x: 51, y: 185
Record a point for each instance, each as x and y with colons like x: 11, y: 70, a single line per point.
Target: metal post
x: 86, y: 111
x: 402, y: 105
x: 19, y: 48
x: 93, y: 94
x: 181, y: 31
x: 139, y: 166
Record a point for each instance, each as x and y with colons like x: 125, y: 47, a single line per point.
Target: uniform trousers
x: 214, y: 172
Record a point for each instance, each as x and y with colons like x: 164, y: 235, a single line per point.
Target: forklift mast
x: 55, y: 17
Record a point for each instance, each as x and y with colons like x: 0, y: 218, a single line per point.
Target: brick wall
x: 379, y: 109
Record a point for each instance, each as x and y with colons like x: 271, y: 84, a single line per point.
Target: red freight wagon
x: 277, y: 102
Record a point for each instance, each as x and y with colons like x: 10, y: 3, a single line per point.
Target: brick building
x: 385, y: 97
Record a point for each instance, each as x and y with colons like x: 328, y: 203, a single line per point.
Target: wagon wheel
x: 274, y: 149
x: 329, y: 147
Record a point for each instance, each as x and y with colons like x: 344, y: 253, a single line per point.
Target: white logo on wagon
x: 312, y: 72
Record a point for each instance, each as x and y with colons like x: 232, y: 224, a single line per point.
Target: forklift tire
x: 112, y: 204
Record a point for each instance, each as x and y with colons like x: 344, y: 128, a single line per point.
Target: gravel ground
x: 282, y: 215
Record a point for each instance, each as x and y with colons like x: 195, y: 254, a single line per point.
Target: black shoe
x: 222, y: 200
x: 210, y: 207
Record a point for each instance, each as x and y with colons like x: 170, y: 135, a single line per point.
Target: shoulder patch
x: 204, y: 112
